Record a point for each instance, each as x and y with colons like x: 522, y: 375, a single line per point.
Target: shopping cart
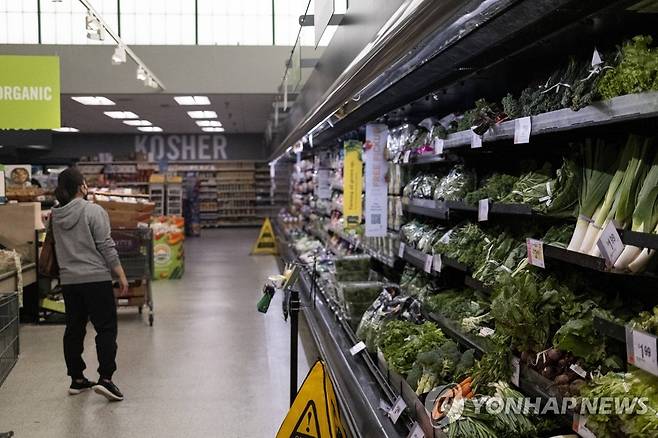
x: 8, y: 334
x: 135, y: 248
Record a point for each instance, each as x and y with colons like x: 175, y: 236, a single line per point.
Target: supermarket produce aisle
x: 211, y: 365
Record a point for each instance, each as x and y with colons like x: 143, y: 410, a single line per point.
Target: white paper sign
x: 428, y: 263
x: 376, y: 168
x: 437, y: 263
x: 483, y: 210
x: 401, y: 250
x: 596, y: 58
x: 580, y: 427
x: 610, y: 243
x: 357, y: 348
x: 438, y: 146
x: 476, y: 141
x: 407, y: 155
x: 416, y: 431
x: 485, y: 332
x: 641, y: 350
x: 522, y: 128
x: 535, y: 252
x: 397, y: 409
x: 516, y: 371
x: 578, y: 370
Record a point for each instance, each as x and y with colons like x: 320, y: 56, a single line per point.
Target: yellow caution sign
x: 315, y: 412
x: 265, y: 243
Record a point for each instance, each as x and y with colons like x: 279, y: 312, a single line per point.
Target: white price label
x: 437, y: 263
x: 641, y: 350
x: 522, y: 128
x: 596, y: 58
x: 358, y: 348
x: 401, y: 250
x: 578, y: 370
x: 428, y: 263
x: 476, y: 141
x: 485, y: 332
x: 416, y: 431
x: 407, y: 155
x: 397, y: 409
x: 516, y: 371
x: 610, y: 243
x: 535, y: 252
x: 483, y: 210
x: 580, y: 426
x: 438, y: 146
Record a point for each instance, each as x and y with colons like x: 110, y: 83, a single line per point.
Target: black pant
x: 95, y: 302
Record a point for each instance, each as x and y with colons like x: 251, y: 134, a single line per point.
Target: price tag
x: 516, y: 370
x: 596, y: 58
x: 401, y: 250
x: 437, y: 263
x: 397, y: 409
x: 416, y: 431
x: 578, y: 370
x: 535, y: 252
x: 522, y: 128
x: 476, y: 141
x: 357, y: 348
x: 610, y: 243
x: 580, y: 426
x: 407, y: 155
x: 438, y: 146
x: 428, y: 263
x: 641, y: 350
x: 485, y: 332
x: 483, y: 210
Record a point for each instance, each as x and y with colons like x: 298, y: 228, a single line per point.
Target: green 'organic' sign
x: 29, y: 92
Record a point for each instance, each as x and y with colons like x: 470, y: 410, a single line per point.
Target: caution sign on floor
x: 315, y: 412
x: 265, y: 243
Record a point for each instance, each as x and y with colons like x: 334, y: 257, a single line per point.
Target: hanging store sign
x: 376, y: 185
x: 29, y: 92
x: 182, y: 147
x: 352, y: 183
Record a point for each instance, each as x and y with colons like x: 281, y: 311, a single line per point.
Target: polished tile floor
x: 211, y: 366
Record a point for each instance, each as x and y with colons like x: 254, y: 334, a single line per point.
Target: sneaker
x: 79, y: 386
x: 108, y: 390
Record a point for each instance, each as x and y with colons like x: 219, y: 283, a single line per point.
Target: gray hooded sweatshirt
x: 85, y: 250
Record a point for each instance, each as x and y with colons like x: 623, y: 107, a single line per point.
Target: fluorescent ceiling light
x: 137, y: 122
x: 150, y: 129
x: 66, y: 129
x: 202, y: 114
x: 121, y: 114
x: 209, y: 123
x: 93, y: 100
x: 213, y: 129
x: 192, y: 100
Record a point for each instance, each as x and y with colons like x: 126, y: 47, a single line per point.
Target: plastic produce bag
x: 352, y: 268
x: 455, y: 185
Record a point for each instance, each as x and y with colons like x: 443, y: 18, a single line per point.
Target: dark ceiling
x: 238, y: 113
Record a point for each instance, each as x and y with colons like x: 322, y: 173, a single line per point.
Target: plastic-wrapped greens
x: 398, y: 138
x: 422, y: 187
x: 455, y: 185
x: 352, y: 267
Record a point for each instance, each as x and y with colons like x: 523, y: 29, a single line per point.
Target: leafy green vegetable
x: 495, y: 188
x: 636, y: 72
x: 402, y: 341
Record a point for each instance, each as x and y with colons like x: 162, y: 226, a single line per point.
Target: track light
x: 94, y: 28
x: 141, y: 73
x: 119, y: 56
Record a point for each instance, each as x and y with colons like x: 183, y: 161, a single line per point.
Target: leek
x: 595, y: 178
x: 645, y: 216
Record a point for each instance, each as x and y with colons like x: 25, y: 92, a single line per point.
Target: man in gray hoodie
x: 87, y: 256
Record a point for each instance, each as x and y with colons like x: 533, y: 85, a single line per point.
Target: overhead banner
x: 315, y: 412
x: 376, y: 185
x: 29, y: 92
x: 352, y: 183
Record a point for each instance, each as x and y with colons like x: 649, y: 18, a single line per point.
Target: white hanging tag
x: 401, y: 250
x: 428, y: 263
x: 610, y: 243
x: 416, y: 431
x: 476, y: 141
x: 641, y: 350
x: 438, y: 146
x: 397, y: 409
x: 483, y: 210
x: 535, y: 252
x: 522, y: 128
x: 437, y: 263
x: 407, y: 156
x: 596, y: 58
x: 357, y: 348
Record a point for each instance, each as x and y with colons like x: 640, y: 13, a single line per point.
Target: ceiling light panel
x: 202, y: 114
x: 121, y: 114
x: 150, y: 129
x: 207, y: 123
x: 212, y: 129
x: 192, y: 100
x: 137, y: 122
x: 93, y: 100
x: 66, y: 129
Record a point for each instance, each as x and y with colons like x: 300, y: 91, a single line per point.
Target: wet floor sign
x: 265, y: 243
x: 315, y: 412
